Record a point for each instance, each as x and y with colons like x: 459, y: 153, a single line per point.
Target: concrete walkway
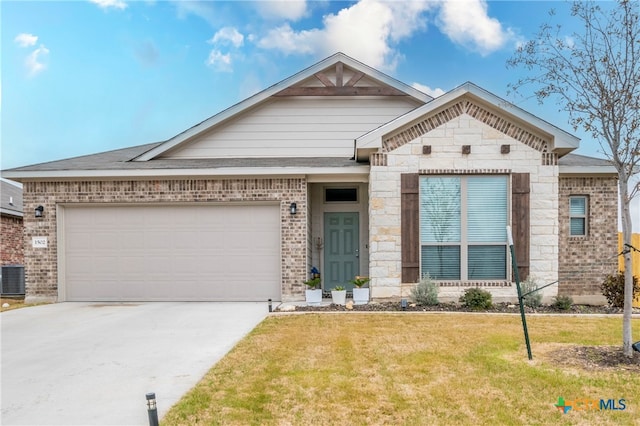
x: 92, y: 363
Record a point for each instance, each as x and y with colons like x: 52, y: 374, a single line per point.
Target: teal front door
x: 341, y: 249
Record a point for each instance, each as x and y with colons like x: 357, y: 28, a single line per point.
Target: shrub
x: 613, y: 289
x: 476, y: 299
x: 425, y: 292
x: 562, y: 303
x: 533, y: 300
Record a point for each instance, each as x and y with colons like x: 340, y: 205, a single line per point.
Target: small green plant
x: 533, y: 300
x: 613, y: 289
x: 562, y: 303
x: 476, y: 298
x: 425, y: 292
x: 359, y: 282
x: 338, y: 288
x: 313, y: 283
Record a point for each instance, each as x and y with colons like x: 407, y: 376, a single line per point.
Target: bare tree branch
x: 595, y: 76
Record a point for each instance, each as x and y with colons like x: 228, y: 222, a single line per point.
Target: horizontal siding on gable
x: 297, y: 127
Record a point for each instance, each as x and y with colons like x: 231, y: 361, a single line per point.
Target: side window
x: 578, y: 207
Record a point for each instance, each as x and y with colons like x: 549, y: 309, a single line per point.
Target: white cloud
x: 291, y: 10
x: 26, y: 40
x: 219, y: 61
x: 203, y: 10
x: 428, y: 90
x: 228, y: 35
x: 366, y: 31
x: 106, y: 4
x: 34, y: 61
x: 468, y: 24
x: 285, y: 39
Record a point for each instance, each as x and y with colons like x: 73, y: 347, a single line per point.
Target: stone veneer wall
x: 444, y: 155
x: 585, y: 261
x: 41, y: 267
x: 11, y: 233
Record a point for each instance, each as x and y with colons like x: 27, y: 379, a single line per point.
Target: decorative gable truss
x: 475, y: 110
x: 332, y: 84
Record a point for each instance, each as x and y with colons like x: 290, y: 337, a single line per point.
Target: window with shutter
x: 463, y: 223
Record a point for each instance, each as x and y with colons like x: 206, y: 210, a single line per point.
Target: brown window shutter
x: 410, y: 223
x: 520, y: 221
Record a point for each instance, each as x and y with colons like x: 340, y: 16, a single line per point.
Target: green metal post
x: 514, y: 264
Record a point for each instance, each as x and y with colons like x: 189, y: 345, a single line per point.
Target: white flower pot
x: 313, y: 297
x: 339, y: 297
x: 360, y: 295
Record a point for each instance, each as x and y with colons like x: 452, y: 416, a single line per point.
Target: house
x: 11, y: 239
x: 340, y: 167
x: 12, y: 243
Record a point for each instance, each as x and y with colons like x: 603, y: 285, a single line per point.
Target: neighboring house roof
x: 563, y: 142
x: 11, y: 198
x: 274, y: 90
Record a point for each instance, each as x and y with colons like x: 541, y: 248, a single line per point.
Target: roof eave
x: 587, y: 170
x: 180, y: 172
x: 9, y: 212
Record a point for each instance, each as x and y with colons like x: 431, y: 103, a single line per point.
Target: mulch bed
x: 594, y: 358
x: 453, y: 307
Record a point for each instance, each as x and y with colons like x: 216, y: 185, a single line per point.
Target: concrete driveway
x: 93, y: 363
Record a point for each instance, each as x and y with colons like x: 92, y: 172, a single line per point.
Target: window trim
x: 584, y: 216
x: 464, y: 243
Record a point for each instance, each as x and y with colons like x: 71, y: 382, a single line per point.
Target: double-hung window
x: 463, y: 223
x: 578, y: 215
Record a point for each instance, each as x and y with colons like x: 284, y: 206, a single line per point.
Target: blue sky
x: 87, y: 76
x: 81, y: 77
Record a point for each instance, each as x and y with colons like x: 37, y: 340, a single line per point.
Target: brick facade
x: 585, y: 260
x: 41, y: 268
x: 12, y: 247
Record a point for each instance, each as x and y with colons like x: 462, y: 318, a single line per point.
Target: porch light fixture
x: 293, y: 208
x: 39, y: 211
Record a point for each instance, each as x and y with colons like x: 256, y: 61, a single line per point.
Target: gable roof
x: 336, y: 60
x: 561, y: 141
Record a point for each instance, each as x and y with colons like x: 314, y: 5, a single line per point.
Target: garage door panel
x: 172, y: 252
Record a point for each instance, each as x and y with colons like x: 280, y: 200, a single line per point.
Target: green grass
x: 409, y: 369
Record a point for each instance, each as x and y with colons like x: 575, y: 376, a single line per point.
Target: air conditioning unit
x: 12, y: 278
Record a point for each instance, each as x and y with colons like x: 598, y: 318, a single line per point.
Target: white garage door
x: 177, y: 252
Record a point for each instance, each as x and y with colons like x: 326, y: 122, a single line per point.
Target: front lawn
x: 413, y: 369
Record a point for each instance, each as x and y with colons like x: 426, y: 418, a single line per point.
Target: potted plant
x: 360, y: 292
x: 313, y: 294
x: 339, y: 295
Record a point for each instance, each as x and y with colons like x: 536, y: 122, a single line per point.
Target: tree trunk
x: 627, y: 338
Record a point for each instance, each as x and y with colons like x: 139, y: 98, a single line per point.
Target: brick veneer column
x: 581, y: 273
